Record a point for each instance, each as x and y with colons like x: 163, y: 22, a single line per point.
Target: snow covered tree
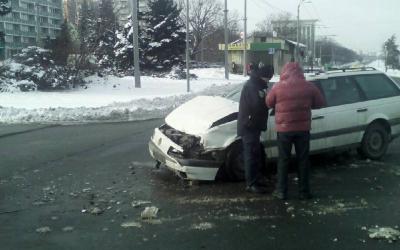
x: 107, y: 25
x: 392, y: 53
x: 87, y: 34
x: 166, y: 34
x: 61, y: 47
x: 123, y: 48
x: 5, y: 8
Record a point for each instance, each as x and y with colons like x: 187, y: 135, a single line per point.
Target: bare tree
x: 203, y: 20
x: 210, y: 48
x: 282, y: 25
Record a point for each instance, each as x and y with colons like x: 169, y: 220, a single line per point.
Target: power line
x: 273, y: 6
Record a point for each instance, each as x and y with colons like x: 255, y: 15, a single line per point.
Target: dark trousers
x: 252, y: 156
x: 301, y: 142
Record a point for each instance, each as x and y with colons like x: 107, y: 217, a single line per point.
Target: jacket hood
x: 292, y: 73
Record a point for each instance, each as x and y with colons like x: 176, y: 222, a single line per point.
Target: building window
x: 16, y: 27
x: 17, y: 39
x: 25, y: 39
x: 45, y: 31
x: 43, y: 20
x: 8, y: 39
x: 23, y: 5
x: 56, y: 21
x: 24, y: 28
x: 43, y: 8
x: 15, y: 15
x: 55, y: 11
x: 32, y: 29
x: 9, y: 26
x: 31, y: 18
x: 24, y: 17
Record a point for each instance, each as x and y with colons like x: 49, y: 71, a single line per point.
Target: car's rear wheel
x: 375, y: 141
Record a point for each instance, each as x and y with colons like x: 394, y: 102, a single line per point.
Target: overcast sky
x: 358, y: 24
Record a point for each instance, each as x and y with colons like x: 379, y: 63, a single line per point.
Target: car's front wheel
x: 234, y: 163
x: 375, y: 141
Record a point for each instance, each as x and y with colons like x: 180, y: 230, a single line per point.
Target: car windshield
x: 234, y: 95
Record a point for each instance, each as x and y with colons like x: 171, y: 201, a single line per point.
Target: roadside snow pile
x: 112, y: 99
x: 380, y: 65
x: 386, y: 233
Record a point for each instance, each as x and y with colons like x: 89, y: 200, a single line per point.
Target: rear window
x: 377, y: 86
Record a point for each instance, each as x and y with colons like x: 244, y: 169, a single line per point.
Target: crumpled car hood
x: 196, y: 116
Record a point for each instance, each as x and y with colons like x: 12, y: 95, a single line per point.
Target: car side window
x: 377, y: 86
x: 340, y: 91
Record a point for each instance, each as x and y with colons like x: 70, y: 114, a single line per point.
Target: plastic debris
x: 96, y: 211
x: 387, y: 233
x: 290, y: 209
x: 43, y: 230
x: 202, y: 226
x: 149, y: 213
x: 68, y: 229
x: 139, y: 203
x: 131, y: 224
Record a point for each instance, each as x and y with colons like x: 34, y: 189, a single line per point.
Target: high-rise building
x: 29, y: 23
x: 123, y: 9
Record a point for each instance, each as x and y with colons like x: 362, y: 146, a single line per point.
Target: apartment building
x: 123, y: 9
x: 29, y: 23
x: 287, y: 29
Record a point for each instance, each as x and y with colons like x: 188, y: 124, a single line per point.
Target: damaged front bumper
x: 165, y: 151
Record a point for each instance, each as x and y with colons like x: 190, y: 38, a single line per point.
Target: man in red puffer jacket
x: 293, y: 98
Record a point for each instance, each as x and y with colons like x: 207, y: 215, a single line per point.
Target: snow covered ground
x: 112, y: 99
x: 380, y: 65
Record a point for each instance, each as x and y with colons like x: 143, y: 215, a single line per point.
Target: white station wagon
x: 199, y: 139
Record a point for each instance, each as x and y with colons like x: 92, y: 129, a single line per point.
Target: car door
x: 317, y: 143
x: 345, y: 111
x: 383, y: 98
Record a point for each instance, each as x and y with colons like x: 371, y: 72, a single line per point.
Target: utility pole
x: 187, y: 47
x: 245, y: 39
x: 298, y: 31
x: 135, y: 26
x: 226, y: 41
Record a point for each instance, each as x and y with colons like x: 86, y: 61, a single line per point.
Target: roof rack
x: 350, y: 69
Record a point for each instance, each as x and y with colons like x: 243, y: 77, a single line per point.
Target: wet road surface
x: 85, y: 186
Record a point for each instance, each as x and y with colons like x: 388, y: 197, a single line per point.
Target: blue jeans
x: 301, y: 142
x: 252, y: 156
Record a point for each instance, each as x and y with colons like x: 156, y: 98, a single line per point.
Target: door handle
x: 318, y: 117
x: 362, y: 110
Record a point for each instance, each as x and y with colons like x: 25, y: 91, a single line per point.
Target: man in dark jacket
x: 252, y: 119
x: 293, y: 98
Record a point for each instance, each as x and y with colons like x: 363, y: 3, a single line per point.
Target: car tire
x: 375, y: 142
x: 234, y: 163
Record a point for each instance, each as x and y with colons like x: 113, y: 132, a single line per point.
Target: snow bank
x: 112, y: 99
x: 380, y: 65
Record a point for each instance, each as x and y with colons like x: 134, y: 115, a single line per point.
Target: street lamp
x: 298, y: 28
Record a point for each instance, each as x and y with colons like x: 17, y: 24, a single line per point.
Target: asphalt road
x: 78, y: 183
